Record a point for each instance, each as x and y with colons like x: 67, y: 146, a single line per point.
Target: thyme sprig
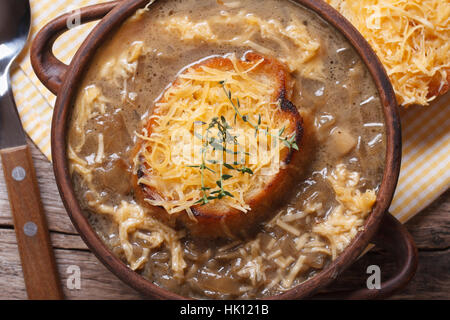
x: 220, y: 142
x: 225, y: 137
x: 287, y: 141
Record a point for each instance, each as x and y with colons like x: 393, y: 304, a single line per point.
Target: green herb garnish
x: 220, y: 143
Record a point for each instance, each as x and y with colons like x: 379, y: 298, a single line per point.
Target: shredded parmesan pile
x: 133, y: 220
x: 305, y: 58
x: 412, y: 40
x: 344, y: 222
x: 173, y: 147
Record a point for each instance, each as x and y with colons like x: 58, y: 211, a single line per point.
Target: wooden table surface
x: 430, y: 229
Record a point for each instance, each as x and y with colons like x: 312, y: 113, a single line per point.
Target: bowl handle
x: 394, y: 238
x: 47, y: 67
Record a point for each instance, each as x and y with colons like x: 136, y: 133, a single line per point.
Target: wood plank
x: 67, y: 241
x: 432, y: 280
x: 56, y: 214
x: 431, y: 227
x: 36, y: 252
x: 96, y: 281
x: 59, y: 240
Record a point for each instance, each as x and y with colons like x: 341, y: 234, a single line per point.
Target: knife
x: 33, y: 239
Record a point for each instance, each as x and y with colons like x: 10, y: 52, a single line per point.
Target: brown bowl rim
x: 62, y: 108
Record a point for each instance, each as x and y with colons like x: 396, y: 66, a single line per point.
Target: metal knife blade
x: 11, y: 130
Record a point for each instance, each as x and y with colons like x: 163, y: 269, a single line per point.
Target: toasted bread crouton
x: 253, y: 196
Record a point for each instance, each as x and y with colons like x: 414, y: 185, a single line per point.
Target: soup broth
x: 334, y: 93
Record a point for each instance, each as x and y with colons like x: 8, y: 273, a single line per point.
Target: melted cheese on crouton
x: 171, y: 152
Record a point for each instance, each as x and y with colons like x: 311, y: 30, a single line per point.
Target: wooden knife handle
x: 36, y: 254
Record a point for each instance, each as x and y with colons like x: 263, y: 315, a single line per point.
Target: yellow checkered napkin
x: 425, y: 172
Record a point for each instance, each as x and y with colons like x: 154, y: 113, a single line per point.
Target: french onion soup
x: 223, y: 150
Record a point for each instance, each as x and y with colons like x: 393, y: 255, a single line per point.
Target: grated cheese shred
x: 130, y: 218
x: 346, y: 219
x: 412, y: 40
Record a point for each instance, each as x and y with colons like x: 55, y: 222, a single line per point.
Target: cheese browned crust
x: 257, y: 197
